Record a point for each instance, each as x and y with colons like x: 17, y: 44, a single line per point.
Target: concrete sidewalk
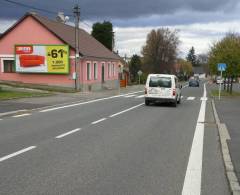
x: 228, y: 109
x: 8, y: 106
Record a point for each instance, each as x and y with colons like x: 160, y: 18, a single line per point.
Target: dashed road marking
x: 21, y: 115
x: 118, y: 113
x: 17, y: 153
x: 68, y: 133
x: 98, y: 121
x: 190, y: 98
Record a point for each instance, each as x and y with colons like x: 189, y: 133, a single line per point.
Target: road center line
x: 87, y: 102
x: 68, y: 133
x: 126, y: 110
x: 193, y: 177
x: 17, y: 153
x: 21, y: 115
x: 190, y: 98
x: 98, y: 121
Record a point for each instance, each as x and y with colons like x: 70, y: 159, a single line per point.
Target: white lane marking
x: 193, y: 177
x: 140, y: 96
x: 98, y: 121
x: 126, y: 110
x: 17, y: 153
x: 87, y: 102
x: 127, y: 96
x: 190, y: 98
x: 68, y: 133
x: 21, y: 115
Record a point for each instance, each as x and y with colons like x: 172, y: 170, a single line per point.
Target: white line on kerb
x: 126, y: 110
x: 98, y: 121
x: 87, y: 102
x: 21, y: 115
x: 193, y: 177
x: 69, y: 132
x: 17, y: 153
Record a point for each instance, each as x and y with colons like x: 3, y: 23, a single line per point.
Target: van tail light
x: 174, y: 92
x: 145, y: 91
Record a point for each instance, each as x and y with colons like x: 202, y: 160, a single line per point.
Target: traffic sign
x: 139, y: 73
x: 222, y: 67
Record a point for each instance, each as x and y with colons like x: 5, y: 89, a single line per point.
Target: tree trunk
x: 231, y: 86
x: 228, y: 84
x: 224, y: 84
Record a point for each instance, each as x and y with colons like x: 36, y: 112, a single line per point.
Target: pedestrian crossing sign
x: 222, y: 67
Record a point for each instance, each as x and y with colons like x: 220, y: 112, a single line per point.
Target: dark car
x: 193, y: 83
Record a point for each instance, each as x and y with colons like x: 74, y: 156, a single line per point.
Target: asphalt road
x: 115, y: 145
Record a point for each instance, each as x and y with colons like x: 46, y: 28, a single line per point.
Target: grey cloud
x: 117, y: 9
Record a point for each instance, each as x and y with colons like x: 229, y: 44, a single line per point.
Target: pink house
x: 98, y: 67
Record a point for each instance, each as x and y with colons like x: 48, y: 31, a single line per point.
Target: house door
x: 103, y: 71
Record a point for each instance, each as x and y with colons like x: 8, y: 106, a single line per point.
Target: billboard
x: 52, y: 59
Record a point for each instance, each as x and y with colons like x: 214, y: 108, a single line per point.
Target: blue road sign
x: 222, y: 67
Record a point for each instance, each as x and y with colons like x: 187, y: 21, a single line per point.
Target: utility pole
x: 76, y: 11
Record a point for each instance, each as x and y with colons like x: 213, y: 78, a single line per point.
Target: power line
x: 41, y: 9
x: 32, y: 7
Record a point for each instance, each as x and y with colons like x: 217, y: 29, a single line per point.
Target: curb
x: 229, y: 168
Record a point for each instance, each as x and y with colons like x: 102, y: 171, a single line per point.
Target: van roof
x: 162, y: 75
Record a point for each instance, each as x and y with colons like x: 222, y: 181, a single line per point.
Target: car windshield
x: 160, y: 82
x: 193, y: 81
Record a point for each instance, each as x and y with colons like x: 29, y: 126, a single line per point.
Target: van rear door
x: 160, y: 86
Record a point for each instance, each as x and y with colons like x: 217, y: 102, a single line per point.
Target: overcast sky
x: 200, y: 22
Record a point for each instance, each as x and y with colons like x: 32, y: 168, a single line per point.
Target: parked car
x: 193, y: 83
x: 162, y: 88
x: 219, y: 80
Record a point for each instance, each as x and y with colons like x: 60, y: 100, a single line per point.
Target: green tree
x: 160, y: 51
x: 103, y: 32
x: 191, y: 57
x: 185, y: 67
x: 134, y: 67
x: 226, y: 51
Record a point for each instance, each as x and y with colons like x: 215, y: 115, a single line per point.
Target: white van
x: 162, y: 88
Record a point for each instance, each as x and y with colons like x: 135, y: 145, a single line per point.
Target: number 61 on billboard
x: 53, y: 59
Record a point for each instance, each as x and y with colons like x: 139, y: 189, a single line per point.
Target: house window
x: 88, y: 71
x: 109, y: 69
x: 8, y: 66
x: 95, y: 71
x: 113, y: 69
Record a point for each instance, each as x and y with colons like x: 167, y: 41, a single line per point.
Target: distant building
x: 41, y: 47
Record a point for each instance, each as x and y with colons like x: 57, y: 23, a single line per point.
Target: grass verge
x: 6, y: 95
x: 215, y: 92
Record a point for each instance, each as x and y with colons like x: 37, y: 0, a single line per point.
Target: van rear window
x: 160, y: 82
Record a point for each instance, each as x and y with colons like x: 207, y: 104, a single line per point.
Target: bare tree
x: 160, y: 51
